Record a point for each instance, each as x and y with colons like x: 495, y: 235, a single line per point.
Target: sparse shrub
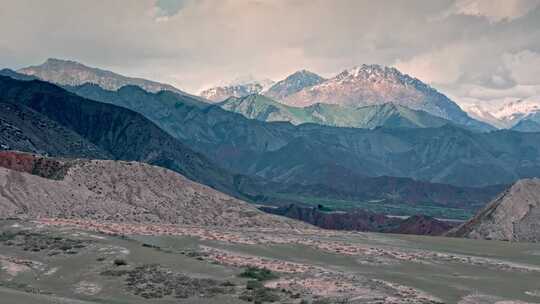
x: 259, y: 274
x: 253, y: 284
x: 120, y: 262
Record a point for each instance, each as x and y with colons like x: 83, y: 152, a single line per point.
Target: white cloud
x: 524, y: 66
x: 442, y: 66
x: 494, y: 10
x: 204, y: 42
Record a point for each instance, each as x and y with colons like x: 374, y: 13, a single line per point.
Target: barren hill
x: 118, y: 191
x: 513, y: 216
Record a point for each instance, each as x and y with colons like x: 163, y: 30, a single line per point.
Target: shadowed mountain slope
x: 117, y: 132
x: 385, y: 115
x: 315, y: 154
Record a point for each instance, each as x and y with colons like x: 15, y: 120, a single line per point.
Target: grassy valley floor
x: 76, y: 261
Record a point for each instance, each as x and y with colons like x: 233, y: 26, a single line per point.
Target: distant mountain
x: 217, y: 94
x: 513, y: 216
x: 529, y: 123
x: 292, y: 84
x: 507, y: 114
x: 384, y: 115
x: 374, y: 84
x: 239, y: 87
x: 15, y: 75
x: 315, y: 154
x: 480, y: 113
x: 118, y: 191
x: 66, y: 72
x: 64, y: 124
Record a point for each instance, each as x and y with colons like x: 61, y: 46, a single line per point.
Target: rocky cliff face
x: 118, y: 191
x: 513, y: 216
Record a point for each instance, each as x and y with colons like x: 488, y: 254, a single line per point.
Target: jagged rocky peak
x: 293, y: 83
x: 240, y: 87
x: 379, y: 73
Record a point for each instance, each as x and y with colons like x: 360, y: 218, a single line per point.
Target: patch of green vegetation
x: 259, y: 274
x: 385, y: 207
x: 152, y: 281
x: 36, y: 242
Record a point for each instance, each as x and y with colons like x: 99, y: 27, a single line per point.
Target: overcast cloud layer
x: 473, y: 50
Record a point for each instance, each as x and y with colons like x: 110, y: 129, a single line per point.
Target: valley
x: 307, y: 264
x: 261, y: 151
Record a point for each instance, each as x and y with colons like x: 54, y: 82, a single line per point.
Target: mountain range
x: 119, y: 133
x: 362, y: 86
x: 385, y: 153
x: 67, y: 72
x: 313, y: 154
x: 375, y: 84
x: 388, y: 115
x: 508, y: 114
x: 50, y: 120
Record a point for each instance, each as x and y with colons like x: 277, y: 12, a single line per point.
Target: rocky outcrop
x: 422, y: 225
x: 118, y: 191
x: 513, y: 216
x: 362, y: 220
x: 359, y: 220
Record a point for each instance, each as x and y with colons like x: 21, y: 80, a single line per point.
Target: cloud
x: 494, y: 10
x: 442, y: 66
x: 195, y: 44
x: 524, y: 66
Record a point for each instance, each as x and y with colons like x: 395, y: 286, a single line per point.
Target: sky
x: 475, y: 51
